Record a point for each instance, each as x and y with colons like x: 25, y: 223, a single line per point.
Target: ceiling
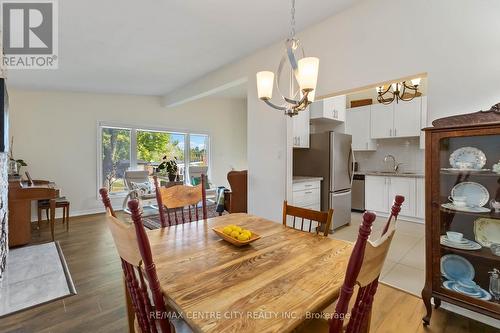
x: 152, y: 47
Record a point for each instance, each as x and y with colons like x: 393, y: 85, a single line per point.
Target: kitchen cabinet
x: 406, y: 187
x: 396, y: 120
x: 301, y: 129
x: 381, y: 190
x: 333, y: 108
x: 358, y: 125
x: 307, y: 194
x: 420, y: 202
x: 376, y: 194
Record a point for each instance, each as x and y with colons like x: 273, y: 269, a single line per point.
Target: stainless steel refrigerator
x: 329, y: 156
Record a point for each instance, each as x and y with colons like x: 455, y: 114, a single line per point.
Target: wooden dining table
x: 270, y: 285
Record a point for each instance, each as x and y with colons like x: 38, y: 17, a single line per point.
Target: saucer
x: 464, y: 244
x: 480, y: 293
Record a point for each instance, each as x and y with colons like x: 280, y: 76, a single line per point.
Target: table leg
x: 52, y: 217
x: 130, y: 309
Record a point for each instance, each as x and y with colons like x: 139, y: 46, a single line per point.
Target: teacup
x: 459, y: 201
x: 454, y: 236
x: 468, y: 285
x: 465, y: 165
x: 495, y: 205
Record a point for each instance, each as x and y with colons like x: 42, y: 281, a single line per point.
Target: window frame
x: 133, y: 148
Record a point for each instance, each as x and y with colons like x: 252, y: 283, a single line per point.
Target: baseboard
x: 402, y: 217
x: 75, y: 213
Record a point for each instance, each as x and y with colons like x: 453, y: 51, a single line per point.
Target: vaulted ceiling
x: 151, y: 47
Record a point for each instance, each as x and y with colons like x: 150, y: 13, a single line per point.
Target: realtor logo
x: 29, y: 34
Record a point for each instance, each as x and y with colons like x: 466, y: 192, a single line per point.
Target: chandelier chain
x: 292, y: 20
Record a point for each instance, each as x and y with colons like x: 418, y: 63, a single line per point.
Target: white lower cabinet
x: 381, y: 190
x: 307, y: 194
x: 420, y: 198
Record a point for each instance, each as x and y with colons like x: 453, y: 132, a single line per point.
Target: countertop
x: 300, y: 179
x: 391, y: 174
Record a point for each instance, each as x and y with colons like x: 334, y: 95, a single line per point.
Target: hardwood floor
x: 99, y: 304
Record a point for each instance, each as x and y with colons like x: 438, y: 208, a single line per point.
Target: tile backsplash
x: 405, y: 150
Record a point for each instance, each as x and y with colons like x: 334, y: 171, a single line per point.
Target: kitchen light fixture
x: 303, y: 75
x: 397, y: 91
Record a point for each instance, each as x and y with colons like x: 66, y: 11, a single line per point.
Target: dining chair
x: 179, y: 204
x: 139, y: 270
x: 321, y: 219
x: 363, y: 270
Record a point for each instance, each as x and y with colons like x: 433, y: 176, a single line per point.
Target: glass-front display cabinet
x: 463, y: 212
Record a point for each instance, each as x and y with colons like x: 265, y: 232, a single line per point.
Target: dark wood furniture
x: 179, y: 204
x: 44, y: 205
x: 322, y: 219
x: 134, y: 249
x: 235, y: 200
x: 21, y: 193
x: 481, y: 130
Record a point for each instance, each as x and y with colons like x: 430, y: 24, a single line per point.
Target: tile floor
x: 34, y: 275
x: 404, y: 267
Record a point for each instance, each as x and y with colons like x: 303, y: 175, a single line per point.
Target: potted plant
x: 170, y: 167
x: 14, y: 165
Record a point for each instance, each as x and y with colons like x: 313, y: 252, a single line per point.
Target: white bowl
x: 454, y: 236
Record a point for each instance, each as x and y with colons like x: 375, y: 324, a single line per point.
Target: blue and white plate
x: 464, y: 244
x: 477, y: 195
x: 468, y: 209
x: 470, y: 155
x: 479, y: 293
x: 455, y: 267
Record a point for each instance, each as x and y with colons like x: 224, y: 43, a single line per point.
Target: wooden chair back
x: 363, y: 270
x: 138, y: 267
x: 179, y: 204
x: 323, y: 219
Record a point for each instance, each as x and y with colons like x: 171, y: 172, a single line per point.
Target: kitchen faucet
x: 395, y: 166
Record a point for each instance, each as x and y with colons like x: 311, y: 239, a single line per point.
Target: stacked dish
x: 460, y: 274
x: 463, y: 244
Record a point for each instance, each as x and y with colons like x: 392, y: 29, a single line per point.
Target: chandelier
x: 302, y: 81
x: 397, y: 91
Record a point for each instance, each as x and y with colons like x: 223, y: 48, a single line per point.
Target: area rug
x: 34, y: 275
x: 153, y: 221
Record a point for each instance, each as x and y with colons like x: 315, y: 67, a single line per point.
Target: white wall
x: 56, y: 133
x: 454, y: 41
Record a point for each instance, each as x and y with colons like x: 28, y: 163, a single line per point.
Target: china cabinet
x: 462, y: 227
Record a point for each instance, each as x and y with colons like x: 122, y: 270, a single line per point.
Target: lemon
x: 236, y: 228
x: 235, y: 234
x: 247, y: 232
x: 243, y: 237
x: 227, y: 230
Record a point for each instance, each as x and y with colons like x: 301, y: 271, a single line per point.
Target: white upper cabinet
x: 382, y: 121
x: 407, y: 118
x: 357, y: 124
x: 396, y: 120
x: 301, y: 129
x: 333, y: 108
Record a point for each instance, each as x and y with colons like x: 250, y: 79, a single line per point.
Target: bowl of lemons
x: 236, y: 235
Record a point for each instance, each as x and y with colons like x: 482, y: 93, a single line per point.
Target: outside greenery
x: 151, y: 147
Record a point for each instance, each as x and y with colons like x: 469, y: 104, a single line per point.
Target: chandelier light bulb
x: 308, y: 73
x: 265, y: 83
x: 416, y: 81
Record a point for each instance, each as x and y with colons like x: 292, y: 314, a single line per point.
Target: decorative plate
x: 477, y: 195
x: 465, y: 170
x: 480, y: 293
x: 467, y: 245
x: 468, y: 154
x: 227, y: 238
x: 487, y: 231
x: 455, y: 267
x: 467, y: 209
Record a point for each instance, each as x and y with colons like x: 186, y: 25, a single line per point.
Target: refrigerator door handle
x: 350, y: 166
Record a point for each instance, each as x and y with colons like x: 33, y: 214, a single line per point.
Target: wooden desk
x: 267, y: 286
x: 20, y: 197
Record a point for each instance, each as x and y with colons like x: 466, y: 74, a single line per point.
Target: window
x: 127, y: 148
x: 115, y: 157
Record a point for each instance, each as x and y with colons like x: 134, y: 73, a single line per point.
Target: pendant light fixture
x: 397, y: 91
x: 302, y: 81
